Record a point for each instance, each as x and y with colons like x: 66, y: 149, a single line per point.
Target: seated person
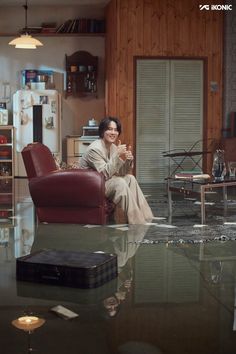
x: 115, y: 162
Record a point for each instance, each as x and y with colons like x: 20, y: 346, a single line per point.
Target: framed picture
x: 43, y: 99
x: 3, y: 105
x: 3, y: 116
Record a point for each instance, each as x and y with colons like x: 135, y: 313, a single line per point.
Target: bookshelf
x: 6, y: 176
x: 78, y: 27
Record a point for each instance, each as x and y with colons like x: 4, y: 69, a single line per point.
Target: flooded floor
x: 175, y: 291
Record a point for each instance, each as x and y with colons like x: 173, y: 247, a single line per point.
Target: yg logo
x: 204, y: 7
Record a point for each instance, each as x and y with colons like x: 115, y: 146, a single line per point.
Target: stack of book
x: 31, y: 30
x: 82, y: 25
x: 49, y: 27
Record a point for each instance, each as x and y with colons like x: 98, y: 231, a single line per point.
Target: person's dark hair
x: 104, y: 124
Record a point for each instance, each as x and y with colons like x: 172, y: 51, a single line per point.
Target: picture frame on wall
x: 3, y: 116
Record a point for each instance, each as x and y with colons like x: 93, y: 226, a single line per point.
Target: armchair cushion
x: 68, y: 188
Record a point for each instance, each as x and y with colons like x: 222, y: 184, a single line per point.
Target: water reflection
x: 164, y: 298
x: 78, y: 238
x: 125, y: 247
x: 17, y: 235
x: 138, y: 347
x: 28, y: 324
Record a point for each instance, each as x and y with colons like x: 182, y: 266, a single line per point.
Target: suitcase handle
x: 52, y: 274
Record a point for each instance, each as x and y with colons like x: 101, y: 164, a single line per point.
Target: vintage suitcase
x: 67, y: 268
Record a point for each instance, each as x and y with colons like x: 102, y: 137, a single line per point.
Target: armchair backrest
x: 38, y: 160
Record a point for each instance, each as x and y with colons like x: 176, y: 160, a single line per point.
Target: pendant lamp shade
x: 25, y: 41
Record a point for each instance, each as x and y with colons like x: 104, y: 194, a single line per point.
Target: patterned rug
x: 184, y: 226
x: 162, y: 233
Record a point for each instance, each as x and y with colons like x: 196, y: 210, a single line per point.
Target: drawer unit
x: 76, y: 147
x: 81, y: 146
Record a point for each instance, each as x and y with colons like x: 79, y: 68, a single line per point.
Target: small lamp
x: 28, y: 323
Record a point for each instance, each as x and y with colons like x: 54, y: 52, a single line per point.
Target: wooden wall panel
x: 134, y: 41
x: 147, y: 27
x: 111, y: 59
x: 158, y: 28
x: 122, y: 91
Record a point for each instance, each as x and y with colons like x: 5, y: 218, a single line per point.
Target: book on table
x: 191, y: 175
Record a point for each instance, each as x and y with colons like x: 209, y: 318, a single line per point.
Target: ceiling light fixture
x: 25, y: 41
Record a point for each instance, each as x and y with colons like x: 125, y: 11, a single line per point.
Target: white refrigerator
x: 36, y: 118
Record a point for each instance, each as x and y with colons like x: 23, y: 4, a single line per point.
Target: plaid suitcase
x: 67, y: 268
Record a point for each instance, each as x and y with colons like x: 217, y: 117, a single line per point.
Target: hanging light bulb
x: 25, y: 41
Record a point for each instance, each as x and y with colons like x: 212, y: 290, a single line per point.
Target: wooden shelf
x: 56, y: 34
x: 81, y: 74
x: 5, y: 160
x: 6, y: 181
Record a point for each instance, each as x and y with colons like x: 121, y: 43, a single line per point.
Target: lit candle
x: 28, y: 323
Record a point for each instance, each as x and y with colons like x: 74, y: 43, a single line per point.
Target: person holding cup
x: 114, y: 160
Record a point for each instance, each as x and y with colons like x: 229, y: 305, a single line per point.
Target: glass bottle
x: 219, y: 167
x: 69, y: 84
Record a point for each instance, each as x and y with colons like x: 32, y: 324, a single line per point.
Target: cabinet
x: 81, y: 74
x: 6, y: 175
x: 76, y: 147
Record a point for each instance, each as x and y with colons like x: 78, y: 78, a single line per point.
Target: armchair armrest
x: 70, y: 188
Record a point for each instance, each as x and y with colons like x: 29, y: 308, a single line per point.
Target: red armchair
x: 64, y: 196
